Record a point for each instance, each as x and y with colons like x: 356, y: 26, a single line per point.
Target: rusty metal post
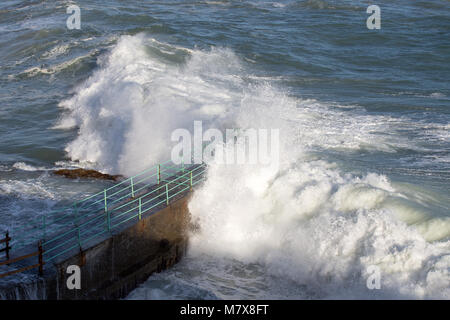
x: 41, y: 260
x: 167, y: 193
x: 132, y: 187
x: 7, y: 245
x: 159, y: 173
x: 140, y: 208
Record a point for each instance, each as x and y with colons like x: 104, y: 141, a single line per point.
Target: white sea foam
x: 27, y: 167
x: 5, y: 168
x: 58, y: 165
x: 127, y: 110
x: 28, y: 189
x: 58, y: 50
x: 321, y: 229
x: 34, y: 71
x: 309, y: 222
x: 135, y: 95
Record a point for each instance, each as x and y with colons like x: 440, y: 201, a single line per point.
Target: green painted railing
x: 94, y: 217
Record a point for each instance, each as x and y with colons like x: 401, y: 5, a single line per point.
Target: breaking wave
x: 307, y: 221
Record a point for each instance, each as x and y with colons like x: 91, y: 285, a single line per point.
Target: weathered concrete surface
x: 117, y: 265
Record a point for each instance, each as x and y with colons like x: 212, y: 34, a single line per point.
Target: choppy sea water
x: 364, y: 129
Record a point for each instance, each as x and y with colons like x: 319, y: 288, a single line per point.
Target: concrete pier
x: 115, y: 266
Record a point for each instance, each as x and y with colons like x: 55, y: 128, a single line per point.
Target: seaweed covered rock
x: 85, y: 173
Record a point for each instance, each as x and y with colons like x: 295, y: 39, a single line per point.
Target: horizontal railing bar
x: 175, y: 194
x: 109, y: 196
x: 5, y: 240
x: 100, y: 193
x: 140, y: 181
x: 68, y: 249
x: 95, y: 235
x: 129, y: 195
x: 6, y: 249
x: 19, y: 258
x: 194, y: 183
x: 123, y: 213
x: 126, y: 220
x: 152, y: 207
x: 193, y: 176
x: 97, y: 217
x: 20, y: 270
x: 74, y: 228
x: 59, y: 245
x: 155, y: 205
x: 93, y: 203
x: 45, y: 243
x: 123, y: 205
x: 153, y: 191
x: 61, y: 219
x: 137, y: 175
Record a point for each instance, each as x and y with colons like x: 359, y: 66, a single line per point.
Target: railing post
x: 132, y: 188
x: 7, y: 245
x: 108, y: 218
x: 104, y: 194
x: 41, y: 260
x: 140, y: 209
x: 167, y: 193
x: 158, y: 170
x: 190, y: 178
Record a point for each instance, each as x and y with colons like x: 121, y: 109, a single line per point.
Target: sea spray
x: 309, y: 222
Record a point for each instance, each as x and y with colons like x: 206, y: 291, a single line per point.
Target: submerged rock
x: 84, y: 173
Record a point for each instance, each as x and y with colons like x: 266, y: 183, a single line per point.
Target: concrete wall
x: 114, y: 267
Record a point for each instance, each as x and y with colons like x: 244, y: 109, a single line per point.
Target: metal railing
x: 39, y: 253
x: 6, y: 241
x: 98, y: 215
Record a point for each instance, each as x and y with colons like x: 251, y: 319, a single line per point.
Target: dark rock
x: 164, y: 244
x: 84, y: 173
